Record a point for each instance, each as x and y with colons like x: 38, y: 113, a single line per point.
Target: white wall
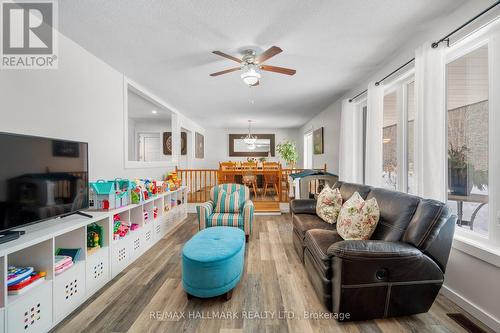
x: 217, y: 144
x: 329, y: 119
x: 472, y: 281
x: 81, y: 100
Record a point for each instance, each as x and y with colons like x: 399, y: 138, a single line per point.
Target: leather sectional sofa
x: 399, y: 271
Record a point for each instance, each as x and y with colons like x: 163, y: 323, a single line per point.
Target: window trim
x: 484, y: 247
x: 400, y: 87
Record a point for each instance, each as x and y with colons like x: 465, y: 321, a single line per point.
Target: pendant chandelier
x: 250, y: 139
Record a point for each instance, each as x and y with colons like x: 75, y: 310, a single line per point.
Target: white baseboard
x: 481, y: 315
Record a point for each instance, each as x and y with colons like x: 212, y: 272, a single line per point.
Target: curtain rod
x: 434, y: 45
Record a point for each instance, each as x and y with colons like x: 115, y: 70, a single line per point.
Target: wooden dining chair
x: 249, y: 178
x: 271, y: 178
x: 227, y: 172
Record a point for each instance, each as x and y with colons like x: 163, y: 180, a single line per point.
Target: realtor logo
x: 29, y: 38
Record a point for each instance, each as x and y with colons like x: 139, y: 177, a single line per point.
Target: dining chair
x: 271, y: 178
x: 227, y: 177
x: 249, y: 178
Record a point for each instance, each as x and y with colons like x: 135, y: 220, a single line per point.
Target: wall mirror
x: 263, y: 146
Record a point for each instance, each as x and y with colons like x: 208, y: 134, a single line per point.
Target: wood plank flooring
x: 272, y: 296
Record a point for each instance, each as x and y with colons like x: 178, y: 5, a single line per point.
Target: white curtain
x: 374, y: 124
x: 351, y: 143
x: 431, y: 149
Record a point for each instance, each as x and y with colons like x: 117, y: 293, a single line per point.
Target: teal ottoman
x: 212, y: 262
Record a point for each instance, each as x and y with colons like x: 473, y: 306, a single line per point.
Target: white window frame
x: 308, y: 151
x: 400, y: 87
x: 486, y: 247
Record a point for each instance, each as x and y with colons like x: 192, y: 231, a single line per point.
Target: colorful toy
x: 135, y: 195
x: 155, y: 213
x: 120, y: 228
x: 94, y: 236
x: 102, y: 195
x: 123, y: 188
x: 134, y: 226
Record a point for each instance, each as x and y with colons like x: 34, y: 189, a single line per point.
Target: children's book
x: 73, y: 253
x: 62, y: 263
x: 28, y: 281
x: 17, y: 274
x: 27, y: 287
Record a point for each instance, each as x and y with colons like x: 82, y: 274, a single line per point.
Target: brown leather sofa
x: 399, y: 271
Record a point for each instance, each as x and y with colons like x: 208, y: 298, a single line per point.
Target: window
x: 364, y: 110
x: 468, y: 157
x: 410, y: 138
x: 308, y: 153
x: 390, y: 142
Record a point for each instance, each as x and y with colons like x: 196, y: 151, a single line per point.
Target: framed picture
x: 167, y: 143
x: 65, y: 149
x: 318, y: 147
x: 200, y: 145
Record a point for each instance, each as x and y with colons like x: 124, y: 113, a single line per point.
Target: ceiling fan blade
x: 226, y: 71
x: 253, y: 85
x: 271, y: 52
x: 280, y: 70
x: 222, y: 54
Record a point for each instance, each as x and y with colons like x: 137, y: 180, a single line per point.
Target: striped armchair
x: 207, y: 217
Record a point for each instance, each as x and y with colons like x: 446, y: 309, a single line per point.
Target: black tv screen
x: 40, y: 178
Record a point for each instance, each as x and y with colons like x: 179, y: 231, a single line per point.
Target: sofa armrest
x: 248, y: 209
x: 303, y: 206
x: 372, y: 261
x: 204, y: 211
x: 353, y: 249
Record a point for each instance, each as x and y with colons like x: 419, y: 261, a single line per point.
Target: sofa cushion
x: 348, y: 189
x: 304, y: 222
x: 428, y: 219
x: 317, y: 242
x: 227, y: 202
x: 396, y: 212
x: 358, y: 218
x: 328, y: 204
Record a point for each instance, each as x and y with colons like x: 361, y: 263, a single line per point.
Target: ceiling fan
x: 251, y: 64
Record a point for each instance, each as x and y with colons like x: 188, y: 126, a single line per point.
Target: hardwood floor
x: 148, y: 295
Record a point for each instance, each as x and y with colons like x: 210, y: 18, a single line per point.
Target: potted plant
x: 458, y: 179
x: 288, y: 152
x: 462, y: 175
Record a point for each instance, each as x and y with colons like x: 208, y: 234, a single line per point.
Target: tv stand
x: 10, y: 235
x: 78, y: 213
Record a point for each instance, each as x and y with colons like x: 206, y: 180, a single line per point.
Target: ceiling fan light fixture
x: 250, y: 75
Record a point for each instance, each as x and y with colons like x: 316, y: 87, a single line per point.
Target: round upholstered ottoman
x: 212, y: 262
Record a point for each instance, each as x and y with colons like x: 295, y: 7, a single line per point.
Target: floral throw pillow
x: 328, y: 204
x: 358, y: 218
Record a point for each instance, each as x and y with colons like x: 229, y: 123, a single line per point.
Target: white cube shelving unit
x: 45, y: 305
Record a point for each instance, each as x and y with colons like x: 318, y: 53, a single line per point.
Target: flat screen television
x: 40, y: 178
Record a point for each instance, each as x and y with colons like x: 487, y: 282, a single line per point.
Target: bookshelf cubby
x: 42, y: 307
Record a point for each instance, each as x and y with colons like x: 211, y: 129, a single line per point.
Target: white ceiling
x: 141, y: 108
x: 166, y: 46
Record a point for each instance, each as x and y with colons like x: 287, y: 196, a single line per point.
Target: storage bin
x: 31, y: 312
x: 137, y: 246
x: 97, y: 272
x: 69, y: 290
x: 121, y: 254
x: 147, y: 236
